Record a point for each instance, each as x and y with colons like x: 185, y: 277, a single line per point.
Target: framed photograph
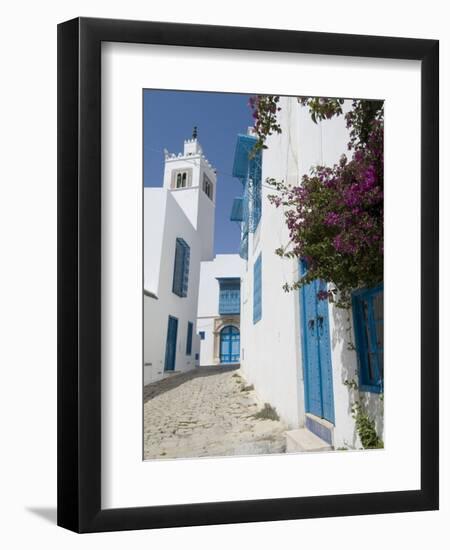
x: 247, y: 275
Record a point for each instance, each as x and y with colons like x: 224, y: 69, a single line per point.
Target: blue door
x: 318, y: 379
x: 230, y: 343
x: 171, y: 344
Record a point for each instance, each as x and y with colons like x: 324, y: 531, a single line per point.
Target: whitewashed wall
x: 271, y: 356
x: 223, y: 265
x: 161, y: 209
x: 270, y: 353
x: 154, y: 223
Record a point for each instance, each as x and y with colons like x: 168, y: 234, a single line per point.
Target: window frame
x: 180, y: 281
x: 227, y: 305
x: 257, y: 289
x: 366, y: 340
x: 208, y: 184
x: 180, y: 172
x: 189, y: 337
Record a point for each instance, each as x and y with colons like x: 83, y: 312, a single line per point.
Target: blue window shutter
x: 181, y: 268
x: 190, y: 328
x: 257, y: 297
x: 255, y: 175
x: 178, y: 268
x: 247, y: 167
x: 229, y: 296
x: 368, y: 322
x: 186, y: 260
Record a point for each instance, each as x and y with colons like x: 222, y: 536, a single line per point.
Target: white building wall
x: 205, y: 225
x: 271, y: 347
x: 175, y: 224
x: 154, y: 222
x: 200, y: 210
x: 170, y: 213
x: 223, y: 265
x: 271, y: 358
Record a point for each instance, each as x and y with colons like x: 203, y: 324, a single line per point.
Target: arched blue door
x: 230, y: 343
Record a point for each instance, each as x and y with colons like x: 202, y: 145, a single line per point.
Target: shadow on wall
x: 343, y: 336
x: 166, y: 384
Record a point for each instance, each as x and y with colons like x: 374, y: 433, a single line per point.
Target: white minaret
x: 192, y: 181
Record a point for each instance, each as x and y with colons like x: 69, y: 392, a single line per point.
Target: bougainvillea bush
x: 335, y: 214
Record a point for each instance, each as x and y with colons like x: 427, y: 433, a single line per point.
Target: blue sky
x: 169, y: 117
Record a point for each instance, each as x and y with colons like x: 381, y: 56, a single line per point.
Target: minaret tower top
x: 190, y: 169
x: 192, y: 180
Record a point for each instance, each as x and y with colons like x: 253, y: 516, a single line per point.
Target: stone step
x: 302, y: 440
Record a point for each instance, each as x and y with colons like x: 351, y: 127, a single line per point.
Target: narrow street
x: 207, y: 412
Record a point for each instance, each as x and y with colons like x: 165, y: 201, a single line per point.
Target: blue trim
x: 171, y: 344
x: 190, y: 328
x: 369, y: 350
x: 247, y: 209
x: 244, y: 146
x: 229, y: 296
x: 319, y: 429
x: 243, y: 247
x: 181, y: 268
x: 237, y: 210
x: 316, y: 350
x: 257, y: 290
x: 230, y: 343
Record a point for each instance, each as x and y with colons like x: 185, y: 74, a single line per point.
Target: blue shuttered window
x: 181, y: 268
x: 255, y: 194
x: 190, y: 328
x: 368, y: 319
x: 257, y: 298
x: 171, y: 344
x: 247, y: 209
x: 230, y: 296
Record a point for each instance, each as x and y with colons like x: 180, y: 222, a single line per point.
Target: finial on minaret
x: 194, y: 133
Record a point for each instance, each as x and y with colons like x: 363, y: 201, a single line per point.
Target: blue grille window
x: 255, y: 190
x: 181, y: 268
x: 247, y: 209
x: 202, y: 334
x: 368, y: 316
x: 190, y: 328
x: 229, y: 296
x: 257, y: 297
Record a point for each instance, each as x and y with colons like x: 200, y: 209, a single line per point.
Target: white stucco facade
x: 235, y: 310
x: 171, y: 213
x: 271, y: 354
x: 209, y: 319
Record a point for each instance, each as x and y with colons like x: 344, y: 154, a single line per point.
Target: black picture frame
x: 79, y: 274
